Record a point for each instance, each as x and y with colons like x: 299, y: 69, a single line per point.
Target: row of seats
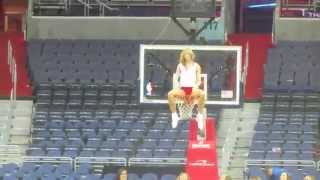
x: 109, y: 151
x: 47, y: 171
x: 84, y: 61
x: 97, y: 61
x: 293, y: 66
x: 87, y: 96
x: 291, y: 79
x: 61, y: 134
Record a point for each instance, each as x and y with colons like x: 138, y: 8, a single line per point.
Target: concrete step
x: 237, y: 127
x: 3, y: 118
x: 19, y: 122
x: 220, y: 141
x: 21, y: 125
x: 19, y: 140
x: 237, y: 163
x: 235, y: 173
x: 22, y: 108
x: 4, y: 133
x: 243, y: 143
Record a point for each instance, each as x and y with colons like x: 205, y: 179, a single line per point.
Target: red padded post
x: 202, y: 157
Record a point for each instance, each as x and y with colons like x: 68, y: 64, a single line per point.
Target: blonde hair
x: 183, y: 53
x: 284, y: 176
x: 308, y: 177
x: 179, y: 177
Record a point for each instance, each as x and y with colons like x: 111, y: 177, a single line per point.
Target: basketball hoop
x: 185, y: 113
x: 185, y: 109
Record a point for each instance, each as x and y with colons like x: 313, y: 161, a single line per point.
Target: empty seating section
x: 92, y: 120
x: 293, y: 66
x: 111, y: 133
x: 51, y: 171
x: 112, y: 62
x: 287, y: 128
x: 85, y: 96
x: 84, y: 61
x: 86, y: 103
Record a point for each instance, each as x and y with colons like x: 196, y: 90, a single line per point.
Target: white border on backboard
x: 143, y: 47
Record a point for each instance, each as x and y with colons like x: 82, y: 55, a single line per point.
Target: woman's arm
x: 178, y: 71
x: 198, y: 75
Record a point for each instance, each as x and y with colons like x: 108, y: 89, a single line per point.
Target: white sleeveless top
x: 188, y: 76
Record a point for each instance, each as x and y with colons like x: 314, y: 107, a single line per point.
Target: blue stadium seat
x: 133, y: 176
x: 84, y: 169
x: 161, y: 153
x: 144, y: 153
x: 149, y: 143
x: 149, y: 176
x: 168, y: 177
x: 256, y: 155
x: 109, y: 176
x: 256, y: 171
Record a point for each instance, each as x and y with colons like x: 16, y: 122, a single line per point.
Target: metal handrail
x: 228, y: 146
x: 246, y: 65
x: 13, y: 70
x: 104, y: 4
x: 264, y: 162
x: 46, y: 159
x: 85, y: 3
x: 286, y: 4
x: 156, y: 161
x: 121, y: 161
x: 13, y: 92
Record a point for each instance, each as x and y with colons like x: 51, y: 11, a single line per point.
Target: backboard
x: 220, y: 64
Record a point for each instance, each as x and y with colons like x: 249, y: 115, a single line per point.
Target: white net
x: 185, y: 109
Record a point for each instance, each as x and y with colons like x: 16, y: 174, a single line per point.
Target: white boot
x: 200, y: 121
x: 175, y: 119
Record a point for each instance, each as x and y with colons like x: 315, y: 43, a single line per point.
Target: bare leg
x: 172, y: 95
x: 198, y: 94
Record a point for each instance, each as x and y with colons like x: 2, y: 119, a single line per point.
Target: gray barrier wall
x: 104, y: 28
x: 111, y: 28
x: 296, y: 29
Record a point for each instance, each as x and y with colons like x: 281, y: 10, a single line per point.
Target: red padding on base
x: 202, y: 158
